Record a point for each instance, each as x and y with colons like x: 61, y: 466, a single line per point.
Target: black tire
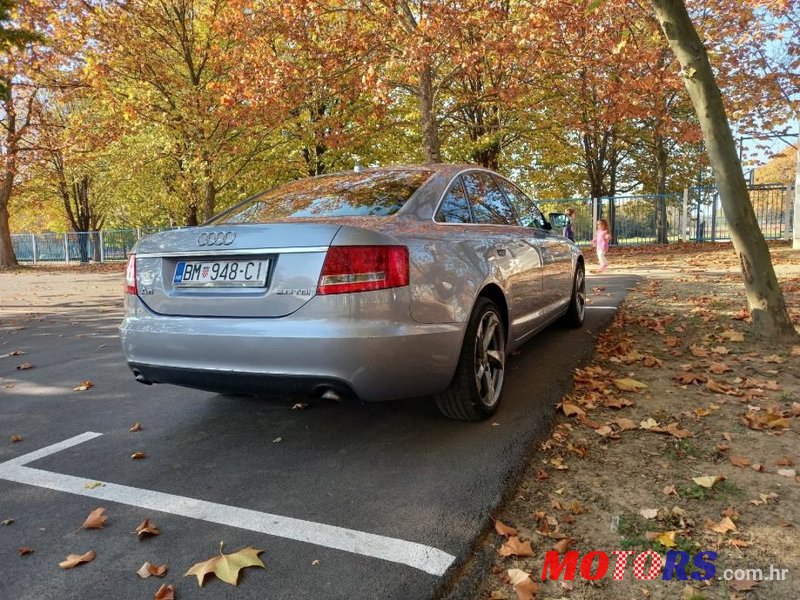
x: 577, y: 304
x: 477, y: 385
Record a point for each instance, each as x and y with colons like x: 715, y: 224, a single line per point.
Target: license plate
x: 221, y: 273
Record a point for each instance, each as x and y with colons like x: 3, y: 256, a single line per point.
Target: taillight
x: 363, y: 268
x: 130, y: 275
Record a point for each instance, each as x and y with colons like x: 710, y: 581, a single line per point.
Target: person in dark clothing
x: 569, y: 233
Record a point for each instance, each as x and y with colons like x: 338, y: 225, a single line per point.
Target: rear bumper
x: 374, y: 352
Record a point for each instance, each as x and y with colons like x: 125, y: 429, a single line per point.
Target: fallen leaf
x: 226, y: 566
x: 667, y: 539
x: 150, y: 570
x: 739, y: 461
x: 147, y: 527
x: 670, y: 490
x: 671, y: 342
x: 727, y: 436
x: 743, y: 585
x: 24, y: 366
x: 674, y: 430
x: 135, y: 427
x: 523, y: 584
x: 765, y: 420
x: 90, y: 485
x: 698, y: 351
x: 732, y: 335
x: 787, y: 472
x: 23, y: 550
x: 784, y: 461
x: 504, y: 530
x: 690, y: 378
x: 16, y: 438
x: 516, y: 547
x: 73, y: 560
x: 83, y: 386
x: 165, y: 592
x: 562, y: 545
x: 774, y: 358
x: 542, y: 475
x: 650, y: 423
x: 795, y: 351
x: 651, y: 361
x: 740, y: 543
x: 723, y: 527
x: 572, y: 410
x: 719, y: 368
x: 629, y: 385
x: 277, y: 440
x: 707, y: 481
x: 649, y: 513
x: 6, y: 522
x: 617, y: 403
x: 96, y: 519
x: 764, y: 499
x: 137, y: 455
x: 624, y: 424
x: 299, y: 406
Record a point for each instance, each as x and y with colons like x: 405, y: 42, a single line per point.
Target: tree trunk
x: 661, y: 189
x: 431, y: 146
x: 767, y: 307
x: 7, y: 256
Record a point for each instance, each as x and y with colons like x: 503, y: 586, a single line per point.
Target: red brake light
x: 130, y: 275
x: 363, y: 268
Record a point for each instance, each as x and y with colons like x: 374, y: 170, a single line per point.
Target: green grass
x: 722, y: 490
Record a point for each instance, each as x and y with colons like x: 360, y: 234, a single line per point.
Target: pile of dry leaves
x: 680, y: 435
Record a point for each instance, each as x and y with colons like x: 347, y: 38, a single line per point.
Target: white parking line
x: 425, y: 558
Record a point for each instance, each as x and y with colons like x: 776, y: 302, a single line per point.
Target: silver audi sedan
x: 378, y: 284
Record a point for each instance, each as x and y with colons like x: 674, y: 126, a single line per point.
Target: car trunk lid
x: 264, y: 270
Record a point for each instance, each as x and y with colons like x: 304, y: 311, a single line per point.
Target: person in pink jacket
x: 602, y: 238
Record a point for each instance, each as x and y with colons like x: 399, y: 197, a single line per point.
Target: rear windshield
x: 376, y: 193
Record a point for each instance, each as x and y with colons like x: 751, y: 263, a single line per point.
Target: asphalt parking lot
x: 347, y: 500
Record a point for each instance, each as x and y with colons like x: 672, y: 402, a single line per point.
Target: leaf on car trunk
x: 83, y: 386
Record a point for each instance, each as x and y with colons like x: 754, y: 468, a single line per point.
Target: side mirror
x: 559, y: 219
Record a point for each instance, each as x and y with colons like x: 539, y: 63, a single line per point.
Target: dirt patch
x: 704, y: 458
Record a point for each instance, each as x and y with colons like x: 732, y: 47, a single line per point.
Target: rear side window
x: 455, y: 206
x: 369, y: 193
x: 489, y: 204
x: 526, y: 209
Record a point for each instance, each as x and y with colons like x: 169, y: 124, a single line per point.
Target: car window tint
x: 368, y: 193
x: 489, y: 205
x: 527, y: 210
x: 455, y: 206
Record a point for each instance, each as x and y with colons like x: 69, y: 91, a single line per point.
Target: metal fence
x: 694, y: 215
x: 80, y: 247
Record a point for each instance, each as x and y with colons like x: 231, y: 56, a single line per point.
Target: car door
x: 555, y: 250
x: 512, y: 250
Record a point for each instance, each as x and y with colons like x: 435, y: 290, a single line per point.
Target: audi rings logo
x: 216, y: 238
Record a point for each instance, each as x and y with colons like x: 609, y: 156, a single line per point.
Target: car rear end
x: 299, y: 308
